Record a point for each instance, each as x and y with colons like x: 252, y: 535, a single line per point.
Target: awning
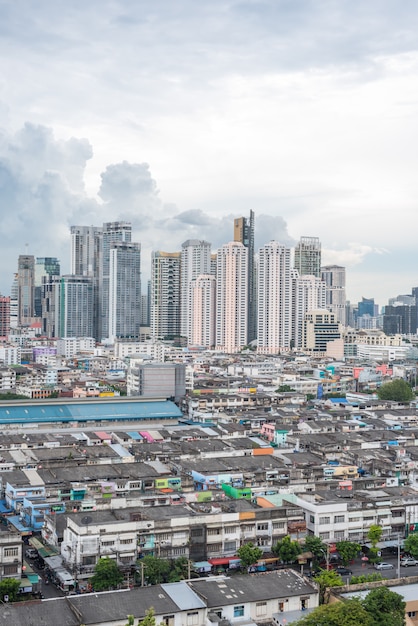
x: 222, y: 560
x: 43, y: 550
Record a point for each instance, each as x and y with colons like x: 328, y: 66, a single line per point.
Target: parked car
x: 343, y: 571
x: 408, y: 561
x: 383, y: 565
x: 31, y: 553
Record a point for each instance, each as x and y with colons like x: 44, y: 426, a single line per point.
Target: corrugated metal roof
x: 183, y: 596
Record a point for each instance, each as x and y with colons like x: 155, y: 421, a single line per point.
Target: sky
x: 180, y: 115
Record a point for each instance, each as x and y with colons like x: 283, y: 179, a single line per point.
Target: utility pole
x: 399, y: 555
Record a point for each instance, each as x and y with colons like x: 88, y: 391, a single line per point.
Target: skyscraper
x: 203, y: 299
x: 274, y: 314
x: 308, y: 256
x: 26, y: 288
x: 165, y: 294
x: 4, y: 316
x: 244, y: 233
x: 309, y: 294
x: 113, y: 232
x: 44, y: 268
x: 232, y: 297
x: 195, y: 260
x: 124, y: 291
x: 73, y: 306
x: 334, y: 278
x: 86, y: 256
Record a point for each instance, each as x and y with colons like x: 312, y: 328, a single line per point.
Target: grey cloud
x: 194, y: 217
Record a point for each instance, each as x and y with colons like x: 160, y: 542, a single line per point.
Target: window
x: 11, y: 552
x: 214, y: 531
x: 229, y: 530
x: 168, y: 620
x: 10, y: 569
x: 108, y: 543
x: 197, y: 532
x: 312, y: 519
x: 126, y: 541
x: 192, y: 618
x: 239, y: 610
x: 339, y: 519
x: 324, y: 520
x: 324, y: 535
x: 278, y: 525
x: 411, y: 613
x: 339, y: 534
x: 260, y: 608
x: 230, y: 546
x: 214, y: 547
x: 262, y: 526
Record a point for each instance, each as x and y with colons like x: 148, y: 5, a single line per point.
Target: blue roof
x: 102, y: 410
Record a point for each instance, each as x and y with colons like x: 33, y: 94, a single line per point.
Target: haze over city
x: 181, y: 116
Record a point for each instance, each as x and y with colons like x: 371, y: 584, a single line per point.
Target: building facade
x: 165, y: 294
x: 232, y: 297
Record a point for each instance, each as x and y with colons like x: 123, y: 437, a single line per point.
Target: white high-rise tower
x: 195, y: 260
x: 231, y: 297
x: 274, y: 298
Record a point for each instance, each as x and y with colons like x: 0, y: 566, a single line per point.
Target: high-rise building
x: 113, y: 232
x: 86, y: 258
x: 244, y: 233
x: 195, y: 260
x: 334, y: 278
x: 124, y: 291
x: 4, y: 316
x: 26, y: 288
x: 203, y: 300
x: 73, y: 306
x: 309, y: 294
x: 232, y: 297
x: 14, y: 302
x: 308, y: 256
x: 165, y: 294
x: 44, y: 268
x: 274, y: 314
x: 366, y: 307
x: 400, y: 320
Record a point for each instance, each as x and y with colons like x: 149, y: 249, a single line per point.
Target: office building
x: 274, y: 313
x: 308, y: 256
x: 26, y: 289
x: 124, y: 291
x: 203, y: 306
x: 195, y: 260
x: 165, y: 294
x: 334, y: 278
x: 244, y: 233
x: 319, y: 329
x: 232, y: 297
x: 400, y: 320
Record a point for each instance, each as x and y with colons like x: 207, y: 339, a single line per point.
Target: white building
x: 309, y: 295
x: 69, y: 347
x: 124, y: 290
x: 334, y: 278
x: 195, y: 260
x: 274, y: 311
x: 231, y: 297
x: 203, y: 316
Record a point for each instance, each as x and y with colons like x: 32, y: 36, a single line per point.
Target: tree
x: 249, y: 554
x: 348, y: 551
x: 9, y: 588
x: 411, y: 545
x: 148, y: 620
x: 397, y: 390
x: 284, y: 389
x: 346, y: 613
x: 325, y: 580
x: 374, y: 534
x: 107, y: 575
x: 156, y: 571
x: 287, y: 550
x: 316, y: 546
x: 179, y: 570
x: 385, y: 606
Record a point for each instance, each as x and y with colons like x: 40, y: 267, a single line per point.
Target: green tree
x: 348, y: 551
x: 325, y: 580
x: 316, y: 546
x: 107, y: 575
x: 346, y: 613
x: 149, y: 619
x: 373, y: 555
x: 284, y: 389
x: 156, y: 571
x: 9, y: 587
x: 397, y: 390
x: 374, y: 534
x: 179, y: 570
x: 385, y: 606
x: 411, y: 545
x: 287, y: 550
x: 249, y: 554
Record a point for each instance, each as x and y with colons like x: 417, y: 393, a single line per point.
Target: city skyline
x: 180, y: 117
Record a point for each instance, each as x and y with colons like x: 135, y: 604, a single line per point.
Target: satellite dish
x: 86, y: 520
